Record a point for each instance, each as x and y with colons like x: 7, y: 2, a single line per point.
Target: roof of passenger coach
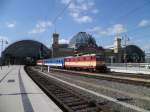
x: 89, y: 55
x: 80, y: 56
x: 61, y: 58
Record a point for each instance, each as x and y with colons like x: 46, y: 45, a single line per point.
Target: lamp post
x: 2, y: 42
x: 126, y: 39
x: 41, y: 56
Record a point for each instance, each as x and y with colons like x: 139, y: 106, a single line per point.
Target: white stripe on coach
x: 53, y: 64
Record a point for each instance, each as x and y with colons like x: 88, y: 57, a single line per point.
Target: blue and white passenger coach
x: 54, y: 62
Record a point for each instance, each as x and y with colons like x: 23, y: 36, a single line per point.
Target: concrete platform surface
x: 18, y: 93
x: 134, y: 70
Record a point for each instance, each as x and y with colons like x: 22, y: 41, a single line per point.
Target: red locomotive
x: 91, y: 62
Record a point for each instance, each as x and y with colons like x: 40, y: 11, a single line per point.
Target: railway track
x: 135, y: 80
x: 66, y: 97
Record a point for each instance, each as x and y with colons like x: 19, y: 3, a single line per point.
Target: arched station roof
x: 134, y: 54
x: 26, y: 48
x: 133, y: 49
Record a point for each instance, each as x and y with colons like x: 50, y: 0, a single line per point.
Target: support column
x: 48, y: 69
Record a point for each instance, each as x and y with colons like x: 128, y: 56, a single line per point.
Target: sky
x: 103, y: 19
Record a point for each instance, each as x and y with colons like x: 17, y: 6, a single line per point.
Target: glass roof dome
x: 82, y: 39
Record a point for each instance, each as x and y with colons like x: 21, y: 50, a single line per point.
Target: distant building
x: 122, y: 54
x: 84, y: 43
x: 117, y: 45
x: 81, y: 43
x: 60, y: 50
x: 82, y: 39
x: 147, y: 57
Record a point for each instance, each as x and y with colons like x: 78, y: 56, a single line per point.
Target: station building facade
x: 84, y: 43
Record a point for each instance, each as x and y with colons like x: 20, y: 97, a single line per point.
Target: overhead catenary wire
x: 128, y: 14
x: 61, y: 12
x: 133, y: 11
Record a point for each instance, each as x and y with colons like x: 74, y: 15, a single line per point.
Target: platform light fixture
x: 3, y: 42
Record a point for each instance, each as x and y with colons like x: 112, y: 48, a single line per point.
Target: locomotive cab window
x: 100, y: 58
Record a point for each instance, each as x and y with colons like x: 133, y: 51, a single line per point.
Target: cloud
x: 81, y: 19
x: 41, y: 27
x: 112, y: 30
x: 144, y: 23
x: 63, y: 41
x: 11, y: 25
x: 117, y: 28
x: 95, y: 11
x: 3, y: 37
x: 81, y: 10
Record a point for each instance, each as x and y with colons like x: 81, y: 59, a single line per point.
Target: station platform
x: 131, y: 70
x: 18, y: 93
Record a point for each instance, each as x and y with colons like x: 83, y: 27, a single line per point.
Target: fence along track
x: 68, y: 99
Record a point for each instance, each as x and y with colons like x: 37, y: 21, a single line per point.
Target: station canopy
x: 134, y: 54
x: 19, y: 51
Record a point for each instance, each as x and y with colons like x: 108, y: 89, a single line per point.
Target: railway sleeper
x: 70, y: 101
x: 76, y: 103
x: 55, y: 89
x: 93, y: 109
x: 69, y: 98
x: 63, y: 93
x: 80, y: 107
x: 58, y: 93
x: 64, y: 96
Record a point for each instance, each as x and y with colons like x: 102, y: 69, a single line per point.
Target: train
x: 91, y: 62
